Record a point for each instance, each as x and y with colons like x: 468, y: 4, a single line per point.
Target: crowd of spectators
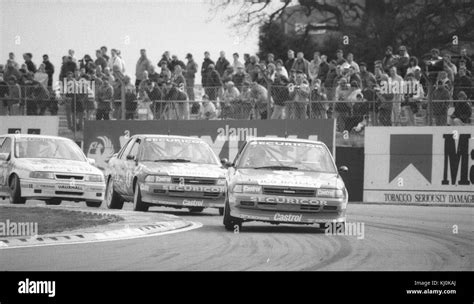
x: 248, y: 88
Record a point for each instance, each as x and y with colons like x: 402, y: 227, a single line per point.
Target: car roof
x: 33, y: 135
x: 282, y: 139
x: 164, y: 135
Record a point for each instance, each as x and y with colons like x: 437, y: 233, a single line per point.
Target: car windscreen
x: 53, y: 148
x: 177, y: 150
x: 287, y: 156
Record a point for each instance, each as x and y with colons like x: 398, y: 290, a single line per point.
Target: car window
x: 5, y: 145
x: 301, y: 156
x: 127, y: 149
x: 52, y: 148
x: 134, y: 150
x: 127, y: 145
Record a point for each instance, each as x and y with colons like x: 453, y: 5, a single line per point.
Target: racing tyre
x: 196, y: 209
x: 15, y: 191
x: 53, y: 202
x: 231, y: 223
x: 93, y: 204
x: 221, y: 211
x: 138, y: 205
x: 112, y: 198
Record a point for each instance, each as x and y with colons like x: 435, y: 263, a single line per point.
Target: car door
x: 5, y: 147
x: 131, y: 163
x: 118, y: 167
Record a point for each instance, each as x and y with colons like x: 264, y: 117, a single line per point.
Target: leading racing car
x: 163, y: 170
x: 279, y: 180
x: 47, y: 168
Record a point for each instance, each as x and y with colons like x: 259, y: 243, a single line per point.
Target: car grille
x: 69, y: 177
x: 288, y: 207
x: 69, y: 193
x: 194, y: 194
x: 194, y: 180
x: 302, y: 192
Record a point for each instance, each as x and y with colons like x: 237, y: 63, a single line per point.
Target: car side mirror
x: 343, y: 169
x: 4, y: 156
x: 226, y: 163
x: 91, y: 161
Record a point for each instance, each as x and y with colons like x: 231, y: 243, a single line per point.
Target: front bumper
x: 279, y: 209
x: 47, y: 188
x: 188, y: 196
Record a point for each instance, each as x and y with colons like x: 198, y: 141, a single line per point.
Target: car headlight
x: 158, y: 179
x: 221, y: 182
x: 43, y: 175
x: 330, y: 193
x: 97, y: 178
x: 247, y: 189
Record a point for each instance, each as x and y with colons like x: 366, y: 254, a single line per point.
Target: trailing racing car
x: 47, y: 168
x: 163, y: 170
x: 279, y: 180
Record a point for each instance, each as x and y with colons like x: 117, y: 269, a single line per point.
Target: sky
x: 54, y: 26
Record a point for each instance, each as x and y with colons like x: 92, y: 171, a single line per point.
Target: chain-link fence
x: 352, y: 107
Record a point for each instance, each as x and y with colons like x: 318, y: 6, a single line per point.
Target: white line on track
x: 194, y: 225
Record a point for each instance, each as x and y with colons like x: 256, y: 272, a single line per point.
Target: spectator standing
x: 352, y: 63
x: 462, y: 111
x: 396, y: 80
x: 173, y: 95
x: 290, y: 61
x: 165, y: 58
x: 100, y: 59
x: 115, y: 60
x: 240, y: 77
x: 71, y: 54
x: 280, y: 96
x: 143, y: 64
x: 440, y: 101
x: 41, y: 76
x: 313, y: 69
x: 463, y: 83
x: 259, y: 98
x: 212, y: 82
x: 253, y: 67
x: 174, y: 62
x: 318, y: 107
x: 222, y: 64
x: 389, y: 60
x: 103, y: 50
x: 301, y: 64
x: 11, y: 58
x: 323, y: 68
x: 104, y: 99
x: 464, y: 57
x: 246, y: 60
x: 154, y: 76
x: 229, y: 98
x: 342, y: 108
x: 204, y: 68
x: 67, y: 66
x: 340, y: 57
x: 414, y: 94
x: 14, y: 96
x: 49, y: 69
x: 299, y: 95
x: 413, y: 65
x: 29, y: 63
x: 367, y: 78
x: 236, y: 63
x: 10, y: 70
x: 402, y: 62
x: 280, y: 68
x: 190, y: 75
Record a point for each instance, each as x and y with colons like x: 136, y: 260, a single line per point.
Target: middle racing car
x: 164, y: 170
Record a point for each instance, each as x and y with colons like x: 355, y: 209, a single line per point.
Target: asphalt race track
x: 395, y: 238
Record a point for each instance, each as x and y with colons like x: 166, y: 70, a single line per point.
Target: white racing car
x: 47, y: 168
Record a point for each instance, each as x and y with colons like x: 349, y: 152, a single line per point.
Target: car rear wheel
x: 93, y: 204
x: 53, y: 202
x: 196, y: 209
x: 221, y: 211
x: 231, y: 223
x: 112, y: 198
x: 138, y: 204
x: 15, y: 191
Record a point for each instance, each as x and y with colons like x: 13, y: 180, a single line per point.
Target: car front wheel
x: 112, y: 198
x: 138, y: 204
x: 15, y: 191
x: 231, y: 223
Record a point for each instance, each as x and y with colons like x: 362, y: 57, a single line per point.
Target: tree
x: 370, y: 25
